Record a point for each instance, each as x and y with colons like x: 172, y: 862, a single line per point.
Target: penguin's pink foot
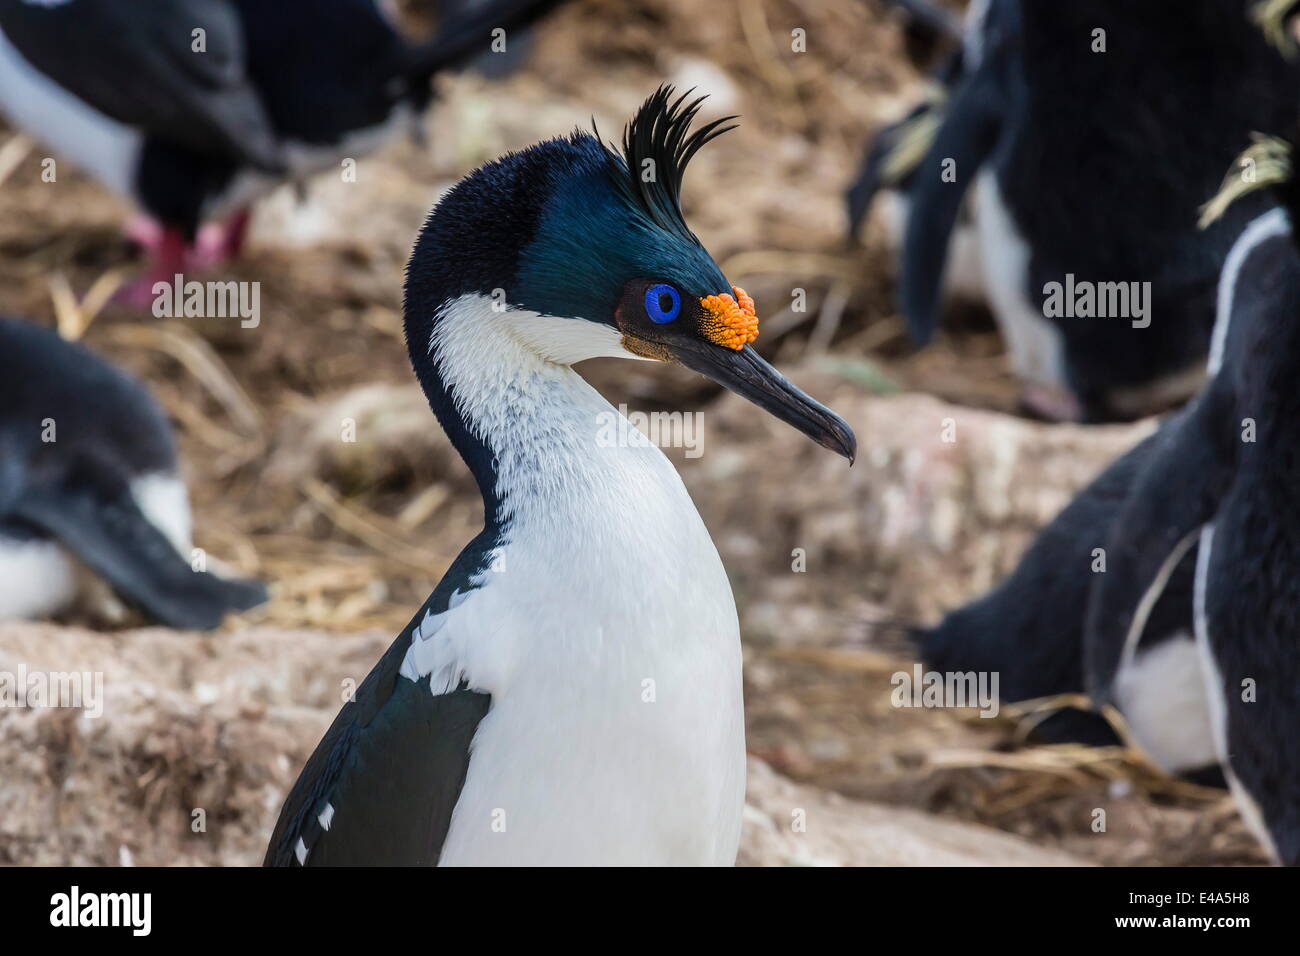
x: 220, y: 242
x: 167, y: 257
x: 144, y: 232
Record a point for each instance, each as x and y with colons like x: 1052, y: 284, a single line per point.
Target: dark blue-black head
x: 574, y: 229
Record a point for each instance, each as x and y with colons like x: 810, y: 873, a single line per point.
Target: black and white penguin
x: 570, y: 693
x: 89, y: 479
x: 1090, y: 134
x: 1030, y: 631
x: 195, y: 108
x: 1222, y: 484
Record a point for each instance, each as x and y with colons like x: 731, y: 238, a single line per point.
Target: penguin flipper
x: 1153, y: 536
x: 380, y: 787
x: 969, y: 132
x: 111, y: 534
x: 870, y: 179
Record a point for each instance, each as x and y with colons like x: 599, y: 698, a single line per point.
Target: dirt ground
x: 352, y: 536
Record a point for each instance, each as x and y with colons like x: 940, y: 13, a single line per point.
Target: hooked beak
x: 744, y: 372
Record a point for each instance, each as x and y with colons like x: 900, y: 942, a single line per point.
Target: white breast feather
x: 606, y: 590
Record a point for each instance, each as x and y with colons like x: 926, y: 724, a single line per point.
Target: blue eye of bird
x: 663, y: 303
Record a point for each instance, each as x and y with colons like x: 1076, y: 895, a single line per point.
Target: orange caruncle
x: 729, y: 322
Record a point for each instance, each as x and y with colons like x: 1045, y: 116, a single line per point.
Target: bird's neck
x: 533, y: 432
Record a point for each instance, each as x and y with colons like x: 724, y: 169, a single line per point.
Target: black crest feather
x: 661, y: 132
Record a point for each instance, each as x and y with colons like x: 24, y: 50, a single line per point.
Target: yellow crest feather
x: 1265, y: 162
x: 915, y: 138
x: 1273, y: 17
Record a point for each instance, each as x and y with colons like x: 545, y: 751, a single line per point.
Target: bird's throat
x: 534, y: 433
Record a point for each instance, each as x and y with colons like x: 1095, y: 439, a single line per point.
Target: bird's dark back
x: 323, y: 67
x: 94, y: 408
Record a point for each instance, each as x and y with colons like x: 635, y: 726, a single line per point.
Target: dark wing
x: 970, y: 130
x: 104, y: 527
x: 175, y: 69
x: 892, y: 156
x: 494, y: 66
x: 1155, y: 533
x: 380, y: 787
x: 871, y: 176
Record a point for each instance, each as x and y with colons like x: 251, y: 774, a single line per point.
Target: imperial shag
x: 570, y: 693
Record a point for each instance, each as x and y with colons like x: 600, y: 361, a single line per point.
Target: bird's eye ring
x: 663, y: 303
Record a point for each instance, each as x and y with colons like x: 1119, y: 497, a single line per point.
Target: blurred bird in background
x: 1088, y: 142
x: 888, y: 176
x: 89, y: 480
x: 1187, y: 625
x: 193, y: 109
x: 1030, y: 630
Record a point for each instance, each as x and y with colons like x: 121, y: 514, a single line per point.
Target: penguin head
x: 595, y: 237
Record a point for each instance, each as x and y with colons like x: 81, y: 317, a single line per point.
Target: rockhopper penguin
x: 1030, y: 631
x: 1090, y: 133
x: 1222, y: 487
x: 89, y: 479
x: 1189, y: 632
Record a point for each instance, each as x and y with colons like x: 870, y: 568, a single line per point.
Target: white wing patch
x: 422, y: 656
x: 434, y: 653
x: 1161, y: 693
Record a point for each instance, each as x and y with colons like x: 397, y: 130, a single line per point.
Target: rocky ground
x: 352, y: 535
x: 200, y: 736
